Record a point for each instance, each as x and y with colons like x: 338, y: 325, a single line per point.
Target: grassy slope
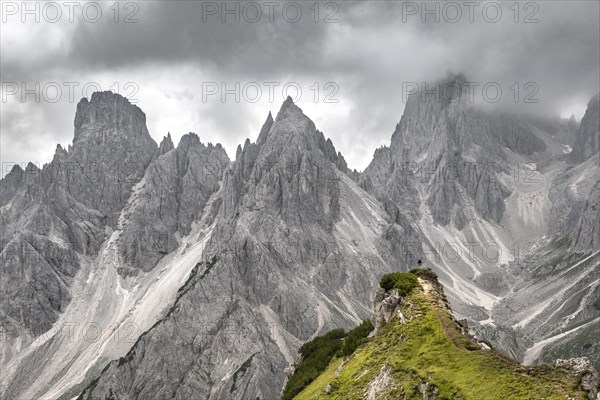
x: 430, y: 348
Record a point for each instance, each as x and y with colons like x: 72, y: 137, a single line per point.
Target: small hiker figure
x: 419, y: 263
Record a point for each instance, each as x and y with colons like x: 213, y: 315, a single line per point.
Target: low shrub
x: 388, y: 280
x: 356, y: 337
x: 316, y: 355
x: 405, y: 283
x: 425, y: 273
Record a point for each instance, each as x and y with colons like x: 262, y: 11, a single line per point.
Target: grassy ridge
x: 317, y: 353
x: 430, y: 348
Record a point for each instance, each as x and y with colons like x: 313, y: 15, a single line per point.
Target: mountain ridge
x: 300, y: 239
x: 418, y: 350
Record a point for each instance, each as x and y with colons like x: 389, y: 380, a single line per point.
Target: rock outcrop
x: 590, y: 381
x: 587, y: 141
x: 385, y: 307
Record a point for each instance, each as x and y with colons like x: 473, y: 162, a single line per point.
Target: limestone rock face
x: 385, y: 306
x: 587, y: 141
x: 110, y: 153
x: 296, y: 243
x: 171, y: 196
x: 576, y: 199
x: 227, y: 267
x: 53, y: 216
x: 454, y: 151
x: 590, y: 381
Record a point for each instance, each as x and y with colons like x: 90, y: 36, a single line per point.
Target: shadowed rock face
x: 587, y: 142
x: 453, y: 150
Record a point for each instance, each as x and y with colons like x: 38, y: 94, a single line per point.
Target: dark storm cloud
x: 174, y: 32
x: 370, y: 52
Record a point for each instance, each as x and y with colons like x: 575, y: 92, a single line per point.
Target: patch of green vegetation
x: 404, y: 282
x: 316, y: 388
x: 356, y: 337
x: 425, y: 273
x: 316, y: 355
x: 430, y: 348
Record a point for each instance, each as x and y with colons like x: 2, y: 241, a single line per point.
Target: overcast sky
x: 363, y: 55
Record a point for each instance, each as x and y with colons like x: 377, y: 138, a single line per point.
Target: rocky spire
x: 264, y: 132
x: 166, y: 145
x: 587, y: 142
x: 112, y: 148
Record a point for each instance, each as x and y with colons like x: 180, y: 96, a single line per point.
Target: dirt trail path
x: 429, y: 290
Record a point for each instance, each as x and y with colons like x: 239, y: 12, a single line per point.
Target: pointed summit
x: 60, y: 154
x: 288, y: 107
x: 166, y: 145
x: 31, y: 167
x: 110, y: 132
x: 288, y: 101
x: 264, y: 131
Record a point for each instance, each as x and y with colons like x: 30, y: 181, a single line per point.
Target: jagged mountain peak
x: 449, y: 90
x: 189, y: 140
x: 288, y: 102
x: 290, y: 112
x: 166, y: 145
x: 292, y: 130
x: 60, y: 153
x: 16, y: 169
x: 264, y: 131
x: 109, y: 114
x: 31, y: 167
x: 109, y: 98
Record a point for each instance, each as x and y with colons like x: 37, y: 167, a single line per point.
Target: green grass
x: 316, y: 355
x: 318, y: 386
x: 356, y: 337
x: 425, y: 273
x: 430, y: 348
x: 404, y: 282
